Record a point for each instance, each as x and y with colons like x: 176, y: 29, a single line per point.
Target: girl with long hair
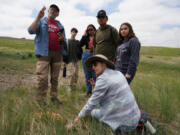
x: 87, y: 41
x: 127, y: 52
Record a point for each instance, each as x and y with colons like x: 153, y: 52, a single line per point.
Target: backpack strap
x: 111, y: 31
x: 94, y: 40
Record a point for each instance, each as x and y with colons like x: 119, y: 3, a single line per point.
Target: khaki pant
x: 72, y: 74
x: 51, y: 63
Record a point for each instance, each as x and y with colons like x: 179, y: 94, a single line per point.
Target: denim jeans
x: 88, y: 74
x: 123, y: 130
x: 126, y: 130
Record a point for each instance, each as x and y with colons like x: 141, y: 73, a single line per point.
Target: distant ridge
x: 23, y: 38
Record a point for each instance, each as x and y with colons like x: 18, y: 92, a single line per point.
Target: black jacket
x: 84, y: 41
x: 74, y: 51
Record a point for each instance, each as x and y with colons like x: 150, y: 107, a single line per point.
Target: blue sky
x: 155, y: 22
x: 166, y: 26
x: 109, y: 8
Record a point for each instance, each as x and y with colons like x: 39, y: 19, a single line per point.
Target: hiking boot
x: 56, y: 100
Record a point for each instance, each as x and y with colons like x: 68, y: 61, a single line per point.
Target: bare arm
x: 33, y: 26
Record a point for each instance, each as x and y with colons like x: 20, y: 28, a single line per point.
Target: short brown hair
x: 75, y: 30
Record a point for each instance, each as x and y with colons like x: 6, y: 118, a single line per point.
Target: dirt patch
x: 20, y: 80
x: 11, y: 81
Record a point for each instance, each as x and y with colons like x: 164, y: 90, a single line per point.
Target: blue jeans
x: 88, y: 74
x: 122, y: 130
x: 125, y: 130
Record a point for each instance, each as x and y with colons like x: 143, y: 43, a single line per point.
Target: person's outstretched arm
x: 33, y: 26
x: 100, y: 89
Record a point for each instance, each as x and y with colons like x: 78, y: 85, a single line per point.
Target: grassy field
x: 156, y: 87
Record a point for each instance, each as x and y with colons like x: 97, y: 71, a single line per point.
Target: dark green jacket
x: 105, y: 41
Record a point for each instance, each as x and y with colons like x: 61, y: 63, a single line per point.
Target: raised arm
x: 33, y: 26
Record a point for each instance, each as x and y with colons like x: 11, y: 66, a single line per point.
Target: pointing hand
x: 41, y: 13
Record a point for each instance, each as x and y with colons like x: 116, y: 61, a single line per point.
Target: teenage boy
x: 74, y: 57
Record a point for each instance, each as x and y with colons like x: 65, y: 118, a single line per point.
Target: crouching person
x: 112, y: 95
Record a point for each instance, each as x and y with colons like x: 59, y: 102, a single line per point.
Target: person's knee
x: 95, y: 113
x: 42, y: 68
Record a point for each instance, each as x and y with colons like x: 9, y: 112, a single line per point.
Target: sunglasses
x: 99, y: 17
x: 94, y: 63
x: 90, y: 29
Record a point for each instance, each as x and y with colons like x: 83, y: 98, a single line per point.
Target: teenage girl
x: 87, y: 41
x: 127, y: 52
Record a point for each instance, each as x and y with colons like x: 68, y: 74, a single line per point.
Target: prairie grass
x: 156, y: 87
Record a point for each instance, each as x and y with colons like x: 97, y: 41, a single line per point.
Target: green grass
x: 17, y: 44
x: 17, y: 55
x: 156, y: 87
x: 160, y: 51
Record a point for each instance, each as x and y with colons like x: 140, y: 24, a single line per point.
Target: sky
x: 155, y: 22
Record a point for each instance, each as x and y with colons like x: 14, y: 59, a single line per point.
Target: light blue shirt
x: 42, y: 37
x: 115, y: 101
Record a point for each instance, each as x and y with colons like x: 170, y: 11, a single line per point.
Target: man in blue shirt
x: 50, y: 37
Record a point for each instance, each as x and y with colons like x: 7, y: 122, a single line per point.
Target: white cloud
x: 147, y: 17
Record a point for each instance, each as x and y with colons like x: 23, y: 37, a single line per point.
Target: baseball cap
x: 54, y: 6
x: 101, y: 13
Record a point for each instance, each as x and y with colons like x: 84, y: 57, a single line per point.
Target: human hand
x: 113, y: 61
x: 128, y: 76
x: 92, y: 82
x: 76, y: 119
x: 85, y: 33
x: 70, y: 125
x: 41, y: 13
x: 60, y: 36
